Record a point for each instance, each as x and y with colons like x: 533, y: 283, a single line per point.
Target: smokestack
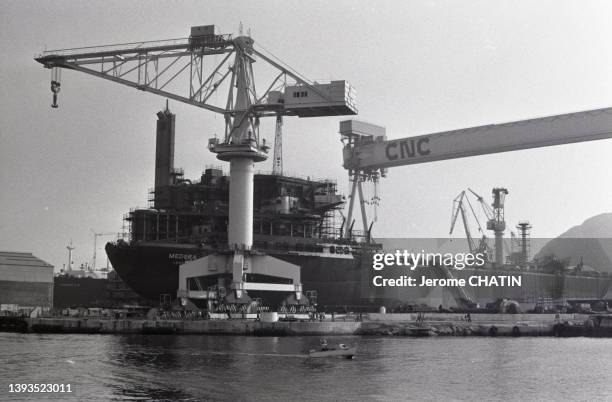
x: 164, y: 158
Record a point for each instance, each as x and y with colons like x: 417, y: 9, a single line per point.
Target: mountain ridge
x: 589, y: 243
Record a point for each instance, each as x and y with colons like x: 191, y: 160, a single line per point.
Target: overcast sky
x: 418, y: 67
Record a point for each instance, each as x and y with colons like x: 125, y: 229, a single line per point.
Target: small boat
x: 341, y: 351
x: 419, y: 331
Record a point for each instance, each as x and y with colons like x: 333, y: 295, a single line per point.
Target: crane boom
x: 459, y: 208
x: 485, y: 207
x: 191, y: 70
x: 371, y: 154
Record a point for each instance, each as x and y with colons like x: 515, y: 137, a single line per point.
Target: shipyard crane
x: 495, y: 219
x: 187, y: 70
x: 95, y: 236
x: 459, y: 208
x: 69, y: 247
x: 483, y: 204
x: 368, y: 154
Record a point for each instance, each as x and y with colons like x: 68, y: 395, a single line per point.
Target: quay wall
x: 435, y: 316
x: 372, y: 324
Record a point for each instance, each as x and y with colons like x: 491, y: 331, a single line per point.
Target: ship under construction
x: 296, y: 220
x: 251, y: 239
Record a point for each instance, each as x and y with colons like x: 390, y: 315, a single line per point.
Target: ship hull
x: 79, y: 292
x: 151, y: 269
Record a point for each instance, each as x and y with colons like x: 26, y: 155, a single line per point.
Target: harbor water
x: 170, y: 367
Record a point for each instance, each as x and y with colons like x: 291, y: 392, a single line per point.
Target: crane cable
x: 286, y: 65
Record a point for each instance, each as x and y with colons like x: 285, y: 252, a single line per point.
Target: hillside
x: 591, y: 241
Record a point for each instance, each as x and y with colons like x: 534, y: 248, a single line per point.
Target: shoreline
x: 412, y: 324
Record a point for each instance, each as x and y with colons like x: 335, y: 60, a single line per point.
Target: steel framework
x: 186, y: 70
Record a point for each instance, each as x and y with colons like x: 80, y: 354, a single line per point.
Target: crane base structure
x: 229, y: 271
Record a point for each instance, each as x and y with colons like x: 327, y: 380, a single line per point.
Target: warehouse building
x: 25, y: 280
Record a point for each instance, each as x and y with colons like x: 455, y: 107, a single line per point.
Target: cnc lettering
x: 408, y: 148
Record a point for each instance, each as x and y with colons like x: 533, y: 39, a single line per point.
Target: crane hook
x: 55, y: 88
x: 55, y: 85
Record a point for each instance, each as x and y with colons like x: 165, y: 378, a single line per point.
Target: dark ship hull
x: 151, y: 269
x: 346, y: 280
x: 71, y: 291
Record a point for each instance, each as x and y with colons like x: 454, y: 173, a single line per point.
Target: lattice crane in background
x: 95, y: 247
x: 460, y: 208
x: 495, y: 218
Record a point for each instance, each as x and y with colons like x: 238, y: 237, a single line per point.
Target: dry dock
x: 434, y: 324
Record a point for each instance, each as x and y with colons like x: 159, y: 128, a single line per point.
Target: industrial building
x: 25, y: 280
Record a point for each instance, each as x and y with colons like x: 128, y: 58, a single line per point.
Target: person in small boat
x: 324, y: 345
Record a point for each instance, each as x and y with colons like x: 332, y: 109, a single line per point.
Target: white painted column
x: 240, y: 231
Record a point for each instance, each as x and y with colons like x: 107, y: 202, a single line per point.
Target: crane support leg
x: 277, y: 167
x: 364, y: 217
x: 349, y: 217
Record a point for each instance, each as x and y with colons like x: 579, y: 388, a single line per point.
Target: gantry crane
x: 186, y: 70
x: 368, y: 154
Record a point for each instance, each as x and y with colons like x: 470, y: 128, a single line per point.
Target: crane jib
x: 374, y: 152
x: 407, y: 148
